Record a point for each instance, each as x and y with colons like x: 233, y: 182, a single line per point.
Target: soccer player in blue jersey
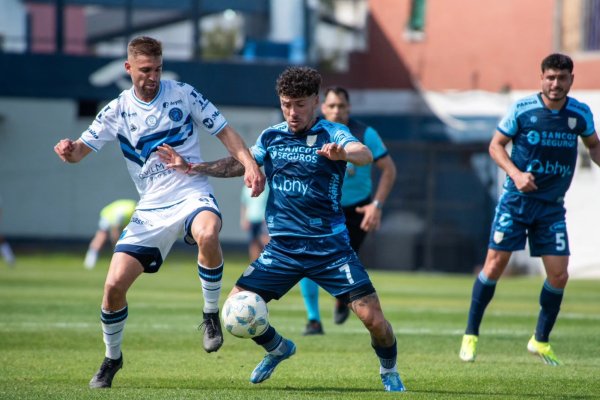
x: 543, y: 129
x: 305, y: 160
x: 361, y: 208
x: 171, y: 205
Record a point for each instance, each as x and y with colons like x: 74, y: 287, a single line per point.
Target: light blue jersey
x: 545, y: 143
x: 305, y: 188
x: 357, y: 182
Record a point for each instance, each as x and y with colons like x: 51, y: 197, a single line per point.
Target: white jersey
x: 172, y: 117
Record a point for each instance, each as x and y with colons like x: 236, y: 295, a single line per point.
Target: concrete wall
x: 467, y: 45
x: 46, y: 198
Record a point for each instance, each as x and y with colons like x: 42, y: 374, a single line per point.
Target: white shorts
x: 151, y: 233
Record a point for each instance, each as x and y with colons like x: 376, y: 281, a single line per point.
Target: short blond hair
x: 144, y: 45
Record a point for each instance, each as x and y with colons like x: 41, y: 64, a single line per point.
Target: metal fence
x: 438, y: 215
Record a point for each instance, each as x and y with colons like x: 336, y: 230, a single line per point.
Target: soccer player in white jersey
x: 151, y: 113
x: 305, y: 160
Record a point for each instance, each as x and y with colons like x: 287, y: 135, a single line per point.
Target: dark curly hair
x: 296, y: 82
x: 557, y: 61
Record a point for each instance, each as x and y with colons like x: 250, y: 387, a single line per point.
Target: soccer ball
x: 245, y: 315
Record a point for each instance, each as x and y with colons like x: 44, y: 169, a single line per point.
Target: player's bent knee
x: 114, y: 293
x: 207, y: 238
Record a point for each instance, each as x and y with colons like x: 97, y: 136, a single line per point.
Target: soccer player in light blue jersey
x: 544, y: 129
x: 171, y: 205
x: 305, y: 160
x: 362, y: 208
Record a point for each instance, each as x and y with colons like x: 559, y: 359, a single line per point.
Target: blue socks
x: 310, y: 294
x: 387, y: 357
x: 483, y: 291
x: 271, y: 341
x: 550, y: 300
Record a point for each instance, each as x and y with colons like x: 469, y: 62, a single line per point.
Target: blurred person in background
x: 544, y: 129
x: 154, y: 112
x: 362, y: 208
x: 113, y: 219
x: 5, y: 249
x: 252, y: 220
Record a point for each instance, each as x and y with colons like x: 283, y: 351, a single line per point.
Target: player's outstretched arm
x: 71, y: 151
x: 227, y: 167
x: 354, y: 152
x: 253, y: 176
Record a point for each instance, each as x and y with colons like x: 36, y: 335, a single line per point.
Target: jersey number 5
x: 561, y: 243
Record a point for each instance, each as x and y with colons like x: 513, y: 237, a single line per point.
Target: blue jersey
x: 357, y: 182
x: 545, y: 143
x: 305, y: 188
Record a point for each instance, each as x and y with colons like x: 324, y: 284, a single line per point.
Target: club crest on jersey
x: 175, y: 114
x: 572, y: 122
x: 151, y: 121
x: 498, y: 236
x: 311, y: 140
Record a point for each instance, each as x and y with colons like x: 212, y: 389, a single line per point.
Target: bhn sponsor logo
x: 291, y: 185
x: 549, y: 168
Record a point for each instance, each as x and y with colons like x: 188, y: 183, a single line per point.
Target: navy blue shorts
x: 520, y: 217
x: 329, y: 261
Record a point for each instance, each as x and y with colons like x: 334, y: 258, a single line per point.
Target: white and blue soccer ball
x: 245, y: 315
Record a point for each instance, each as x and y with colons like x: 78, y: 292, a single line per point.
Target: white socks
x: 90, y: 259
x: 211, y: 287
x: 7, y: 253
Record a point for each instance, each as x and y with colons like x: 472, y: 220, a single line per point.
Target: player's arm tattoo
x: 224, y: 168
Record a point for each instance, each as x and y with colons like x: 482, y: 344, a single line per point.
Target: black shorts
x: 353, y: 220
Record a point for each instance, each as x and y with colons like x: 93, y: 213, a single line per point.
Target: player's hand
x: 64, y: 149
x: 333, y: 151
x: 254, y: 179
x: 372, y: 217
x: 172, y: 158
x: 524, y: 181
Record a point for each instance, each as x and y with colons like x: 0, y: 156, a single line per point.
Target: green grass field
x: 51, y: 343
